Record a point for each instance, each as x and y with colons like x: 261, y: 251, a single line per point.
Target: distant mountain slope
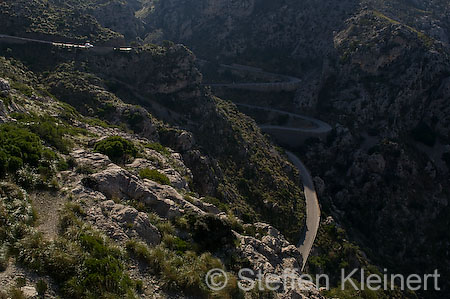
x: 94, y: 20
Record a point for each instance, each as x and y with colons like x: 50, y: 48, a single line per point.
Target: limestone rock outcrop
x: 123, y: 222
x: 269, y: 253
x: 116, y: 182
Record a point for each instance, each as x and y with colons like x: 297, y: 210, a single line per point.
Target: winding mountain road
x: 288, y: 83
x: 98, y: 49
x: 308, y: 235
x: 320, y: 126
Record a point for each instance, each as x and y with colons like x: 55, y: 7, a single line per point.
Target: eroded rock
x: 271, y: 254
x: 123, y: 222
x: 116, y: 182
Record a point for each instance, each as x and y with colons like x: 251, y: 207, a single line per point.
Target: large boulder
x: 116, y: 182
x: 169, y: 193
x: 4, y: 86
x: 88, y: 159
x: 123, y: 222
x: 269, y: 253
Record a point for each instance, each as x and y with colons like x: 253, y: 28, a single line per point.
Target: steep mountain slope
x: 155, y: 170
x: 379, y: 72
x: 277, y: 34
x: 98, y: 21
x: 389, y: 178
x: 115, y: 179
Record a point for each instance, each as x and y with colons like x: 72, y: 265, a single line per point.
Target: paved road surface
x: 64, y: 45
x: 321, y: 127
x: 288, y: 83
x: 312, y: 210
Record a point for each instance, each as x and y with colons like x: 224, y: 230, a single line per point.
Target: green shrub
x: 210, y: 232
x: 53, y: 134
x: 62, y: 165
x: 16, y: 214
x: 48, y: 129
x: 116, y: 148
x: 14, y: 164
x: 139, y: 286
x: 21, y: 282
x: 154, y: 175
x: 27, y: 178
x: 135, y: 121
x: 215, y: 201
x: 176, y: 244
x: 18, y: 146
x: 41, y: 287
x: 97, y: 122
x: 23, y: 88
x: 85, y: 169
x: 4, y: 260
x: 22, y: 154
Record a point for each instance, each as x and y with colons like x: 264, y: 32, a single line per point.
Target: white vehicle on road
x: 88, y: 45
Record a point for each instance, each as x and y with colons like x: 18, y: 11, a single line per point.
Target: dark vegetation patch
x: 423, y: 133
x: 154, y: 175
x: 118, y: 149
x: 182, y: 263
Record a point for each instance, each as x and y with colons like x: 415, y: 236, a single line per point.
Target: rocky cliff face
x: 253, y: 31
x: 389, y: 174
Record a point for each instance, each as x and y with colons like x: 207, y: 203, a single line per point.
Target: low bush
x: 154, y: 175
x: 117, y: 149
x: 135, y: 121
x: 215, y: 201
x: 41, y: 287
x: 210, y: 232
x: 23, y: 88
x: 16, y: 293
x: 48, y: 129
x: 4, y: 260
x: 17, y: 147
x: 16, y: 214
x: 62, y: 165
